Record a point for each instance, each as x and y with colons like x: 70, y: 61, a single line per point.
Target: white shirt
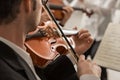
x: 75, y: 18
x: 117, y: 4
x: 116, y: 13
x: 88, y: 77
x: 98, y: 22
x: 116, y: 16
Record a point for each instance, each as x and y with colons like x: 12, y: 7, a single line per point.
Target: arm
x: 87, y: 70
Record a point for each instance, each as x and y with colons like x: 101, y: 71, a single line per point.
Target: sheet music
x: 108, y: 53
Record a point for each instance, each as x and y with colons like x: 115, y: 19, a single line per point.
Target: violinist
x: 17, y: 18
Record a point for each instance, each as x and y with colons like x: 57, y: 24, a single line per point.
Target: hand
x: 83, y: 41
x: 45, y: 17
x: 67, y: 12
x: 88, y: 67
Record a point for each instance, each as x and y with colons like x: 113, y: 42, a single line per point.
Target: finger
x: 90, y: 40
x: 84, y: 35
x: 98, y: 69
x: 89, y: 58
x: 89, y: 61
x: 81, y: 58
x: 64, y: 12
x: 67, y: 12
x: 82, y: 31
x: 75, y: 28
x: 68, y: 9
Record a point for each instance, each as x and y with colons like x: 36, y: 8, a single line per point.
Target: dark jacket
x: 13, y: 67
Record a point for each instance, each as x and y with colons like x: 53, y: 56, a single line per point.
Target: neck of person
x: 14, y: 34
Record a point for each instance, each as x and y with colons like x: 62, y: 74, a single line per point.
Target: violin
x: 40, y: 46
x: 45, y: 45
x: 40, y: 51
x: 60, y: 46
x: 60, y: 7
x: 57, y: 6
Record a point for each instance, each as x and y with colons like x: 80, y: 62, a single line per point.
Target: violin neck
x: 60, y: 7
x: 39, y: 34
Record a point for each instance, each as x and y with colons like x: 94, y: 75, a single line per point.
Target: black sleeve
x: 60, y: 69
x: 8, y: 73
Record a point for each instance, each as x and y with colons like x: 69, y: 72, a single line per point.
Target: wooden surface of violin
x: 40, y: 51
x: 38, y: 45
x: 45, y: 44
x: 58, y: 2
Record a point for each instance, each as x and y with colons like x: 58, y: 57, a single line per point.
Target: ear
x: 27, y: 4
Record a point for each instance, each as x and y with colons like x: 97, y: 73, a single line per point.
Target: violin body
x: 41, y: 51
x: 45, y: 45
x: 39, y: 47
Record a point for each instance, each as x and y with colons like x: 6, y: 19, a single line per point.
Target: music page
x: 108, y: 53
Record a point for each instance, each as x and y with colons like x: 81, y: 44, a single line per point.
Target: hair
x: 9, y: 10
